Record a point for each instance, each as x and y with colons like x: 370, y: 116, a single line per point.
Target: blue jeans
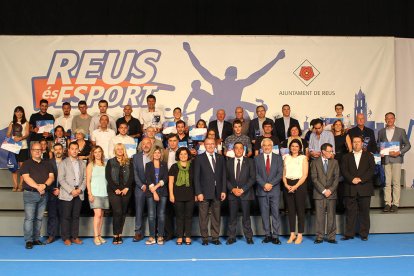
x: 156, y: 211
x: 34, y: 207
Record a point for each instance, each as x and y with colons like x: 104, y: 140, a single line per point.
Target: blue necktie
x: 325, y: 166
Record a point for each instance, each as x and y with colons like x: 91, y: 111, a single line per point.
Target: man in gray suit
x: 139, y: 160
x: 325, y: 177
x: 72, y: 180
x: 392, y: 162
x: 269, y: 171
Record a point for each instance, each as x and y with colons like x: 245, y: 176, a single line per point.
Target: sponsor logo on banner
x: 120, y: 77
x: 306, y: 72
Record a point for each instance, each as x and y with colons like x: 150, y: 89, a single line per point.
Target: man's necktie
x: 213, y: 161
x: 325, y: 166
x: 268, y: 165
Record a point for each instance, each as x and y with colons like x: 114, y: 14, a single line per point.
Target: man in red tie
x: 269, y: 171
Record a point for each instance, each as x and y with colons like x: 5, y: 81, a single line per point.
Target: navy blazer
x: 247, y: 178
x: 150, y: 178
x: 275, y: 176
x: 227, y: 129
x: 139, y: 169
x: 365, y: 171
x: 280, y: 127
x: 206, y: 181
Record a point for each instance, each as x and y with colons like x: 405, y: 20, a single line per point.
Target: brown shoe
x: 77, y: 241
x: 50, y: 240
x: 138, y: 237
x: 67, y: 242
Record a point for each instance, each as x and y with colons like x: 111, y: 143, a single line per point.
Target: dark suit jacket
x: 150, y: 178
x: 365, y: 171
x: 247, y: 178
x: 139, y: 170
x: 254, y: 125
x: 322, y: 181
x: 275, y: 176
x: 280, y: 127
x: 210, y: 184
x: 227, y: 129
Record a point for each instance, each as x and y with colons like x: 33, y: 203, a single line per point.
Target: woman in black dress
x: 342, y: 146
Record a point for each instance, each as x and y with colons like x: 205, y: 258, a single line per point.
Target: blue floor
x: 382, y: 254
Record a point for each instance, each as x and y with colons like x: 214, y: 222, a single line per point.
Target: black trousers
x: 70, y: 211
x: 169, y: 220
x: 119, y: 206
x: 357, y: 207
x: 296, y: 206
x: 234, y: 206
x: 212, y: 207
x: 53, y: 216
x: 184, y: 217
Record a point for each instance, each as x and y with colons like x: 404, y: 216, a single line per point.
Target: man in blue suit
x: 269, y: 171
x: 241, y: 176
x: 139, y: 160
x: 210, y: 188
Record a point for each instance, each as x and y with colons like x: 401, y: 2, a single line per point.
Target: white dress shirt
x: 357, y: 156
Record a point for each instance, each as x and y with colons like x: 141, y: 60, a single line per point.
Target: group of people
x: 237, y: 161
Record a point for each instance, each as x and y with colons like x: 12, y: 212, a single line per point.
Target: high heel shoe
x: 299, y: 240
x: 188, y: 241
x: 102, y: 240
x: 291, y: 239
x: 97, y: 241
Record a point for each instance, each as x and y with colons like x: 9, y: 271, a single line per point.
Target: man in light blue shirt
x: 318, y: 138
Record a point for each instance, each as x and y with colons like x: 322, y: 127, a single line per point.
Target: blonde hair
x: 124, y: 159
x: 153, y: 149
x: 92, y: 155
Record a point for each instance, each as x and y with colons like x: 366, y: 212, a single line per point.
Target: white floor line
x: 209, y: 259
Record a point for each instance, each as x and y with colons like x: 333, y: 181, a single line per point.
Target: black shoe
x: 120, y: 240
x: 29, y: 245
x: 230, y: 241
x: 394, y: 209
x: 332, y: 241
x: 249, y: 241
x: 364, y: 238
x: 345, y: 238
x: 276, y: 241
x: 37, y: 242
x: 267, y: 239
x: 205, y: 242
x: 387, y: 208
x: 216, y: 242
x: 317, y: 241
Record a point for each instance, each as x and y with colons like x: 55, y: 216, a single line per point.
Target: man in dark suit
x: 222, y: 128
x: 282, y: 124
x: 393, y: 161
x: 358, y: 169
x: 325, y: 178
x: 210, y: 189
x: 269, y: 172
x: 256, y: 125
x: 241, y: 176
x: 53, y: 210
x: 139, y: 160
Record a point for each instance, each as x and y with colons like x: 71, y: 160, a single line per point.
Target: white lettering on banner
x: 121, y: 78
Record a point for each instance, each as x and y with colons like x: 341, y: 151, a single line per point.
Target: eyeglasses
x: 329, y: 151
